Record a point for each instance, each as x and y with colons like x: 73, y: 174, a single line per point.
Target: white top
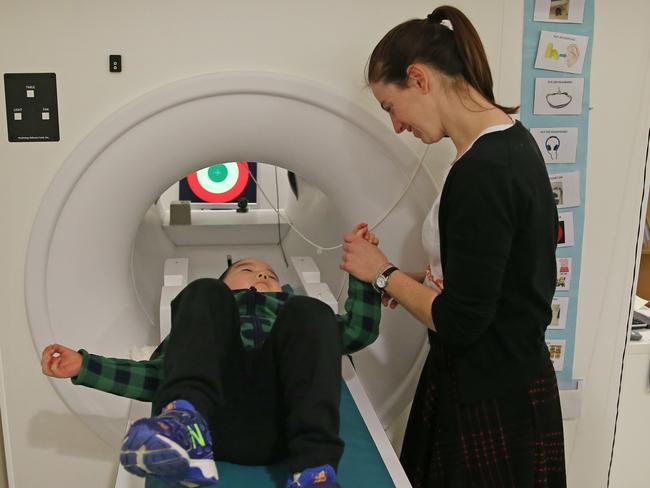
x: 430, y: 231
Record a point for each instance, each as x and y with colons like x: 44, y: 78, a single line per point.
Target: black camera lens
x: 242, y: 205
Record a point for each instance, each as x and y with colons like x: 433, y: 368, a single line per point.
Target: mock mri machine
x: 95, y: 266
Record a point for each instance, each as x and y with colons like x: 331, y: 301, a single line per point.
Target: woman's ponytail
x: 446, y: 40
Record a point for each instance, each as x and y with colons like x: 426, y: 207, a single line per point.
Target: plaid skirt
x: 515, y: 441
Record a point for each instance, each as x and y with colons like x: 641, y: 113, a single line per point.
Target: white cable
x: 426, y: 150
x: 277, y: 202
x: 320, y: 248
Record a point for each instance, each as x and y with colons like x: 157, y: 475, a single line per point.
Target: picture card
x: 558, y: 96
x: 558, y: 51
x: 559, y: 309
x: 557, y: 144
x: 563, y: 11
x: 565, y: 232
x: 566, y: 189
x: 556, y: 349
x: 563, y: 282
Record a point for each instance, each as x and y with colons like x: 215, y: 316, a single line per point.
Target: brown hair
x: 455, y: 52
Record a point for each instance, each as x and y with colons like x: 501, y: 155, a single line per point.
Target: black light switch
x: 32, y: 111
x: 115, y: 63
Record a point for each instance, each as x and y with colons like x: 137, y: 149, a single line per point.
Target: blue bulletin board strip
x: 531, y: 37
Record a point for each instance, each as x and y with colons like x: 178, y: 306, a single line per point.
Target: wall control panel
x: 32, y: 111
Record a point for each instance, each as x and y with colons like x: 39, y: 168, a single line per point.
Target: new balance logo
x: 320, y: 477
x: 196, y: 436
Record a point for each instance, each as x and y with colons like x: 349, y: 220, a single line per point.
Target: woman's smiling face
x: 412, y: 108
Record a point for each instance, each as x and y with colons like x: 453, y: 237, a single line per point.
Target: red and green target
x: 220, y: 183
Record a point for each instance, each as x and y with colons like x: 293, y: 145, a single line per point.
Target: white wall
x: 163, y: 41
x: 618, y: 131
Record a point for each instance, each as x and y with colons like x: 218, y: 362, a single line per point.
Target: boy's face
x: 252, y: 272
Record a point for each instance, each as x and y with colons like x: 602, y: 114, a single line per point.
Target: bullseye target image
x: 222, y: 183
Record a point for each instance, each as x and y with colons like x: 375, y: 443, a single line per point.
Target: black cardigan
x: 498, y: 234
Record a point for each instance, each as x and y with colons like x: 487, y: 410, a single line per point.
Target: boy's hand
x: 60, y: 362
x: 361, y: 230
x: 388, y: 301
x: 362, y: 257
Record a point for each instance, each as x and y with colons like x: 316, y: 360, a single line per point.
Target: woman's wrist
x: 381, y: 270
x: 381, y: 280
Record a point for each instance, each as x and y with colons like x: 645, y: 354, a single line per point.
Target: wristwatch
x: 382, y: 278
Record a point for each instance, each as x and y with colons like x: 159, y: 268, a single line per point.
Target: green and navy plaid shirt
x: 257, y: 311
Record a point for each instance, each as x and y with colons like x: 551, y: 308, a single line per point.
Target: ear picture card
x: 558, y: 51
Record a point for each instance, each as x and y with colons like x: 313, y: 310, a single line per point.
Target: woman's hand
x: 59, y: 361
x: 361, y: 230
x: 362, y: 258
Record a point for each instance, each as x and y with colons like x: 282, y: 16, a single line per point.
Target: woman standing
x: 487, y: 408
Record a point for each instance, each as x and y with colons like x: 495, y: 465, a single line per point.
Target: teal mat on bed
x: 361, y: 465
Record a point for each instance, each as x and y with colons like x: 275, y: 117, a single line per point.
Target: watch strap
x: 390, y: 269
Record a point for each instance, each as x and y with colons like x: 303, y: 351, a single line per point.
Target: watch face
x: 381, y: 281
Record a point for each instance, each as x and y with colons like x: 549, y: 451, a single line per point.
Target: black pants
x: 280, y: 401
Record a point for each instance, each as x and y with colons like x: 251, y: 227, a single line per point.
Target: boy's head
x: 249, y: 272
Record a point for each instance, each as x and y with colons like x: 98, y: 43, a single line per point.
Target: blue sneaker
x: 174, y: 447
x: 318, y: 477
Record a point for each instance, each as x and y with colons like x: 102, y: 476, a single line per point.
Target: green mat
x: 360, y: 466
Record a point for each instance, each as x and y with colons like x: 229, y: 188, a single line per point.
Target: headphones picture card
x: 557, y: 144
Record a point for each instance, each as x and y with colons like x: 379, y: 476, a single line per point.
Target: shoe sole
x: 146, y: 453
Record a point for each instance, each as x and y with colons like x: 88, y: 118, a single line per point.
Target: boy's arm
x: 138, y: 380
x: 360, y: 324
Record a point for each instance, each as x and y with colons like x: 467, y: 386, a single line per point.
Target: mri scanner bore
x: 144, y: 148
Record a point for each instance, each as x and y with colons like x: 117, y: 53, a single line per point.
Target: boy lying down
x: 249, y: 374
